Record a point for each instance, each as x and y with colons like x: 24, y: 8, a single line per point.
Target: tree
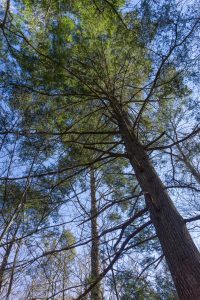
x: 120, y: 67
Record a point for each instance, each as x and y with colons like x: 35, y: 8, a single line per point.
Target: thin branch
x: 192, y: 219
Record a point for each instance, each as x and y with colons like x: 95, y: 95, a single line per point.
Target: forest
x: 99, y: 150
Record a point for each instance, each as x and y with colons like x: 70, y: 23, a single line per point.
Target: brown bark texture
x: 182, y: 255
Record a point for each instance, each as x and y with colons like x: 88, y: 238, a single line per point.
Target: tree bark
x: 95, y: 268
x: 182, y: 256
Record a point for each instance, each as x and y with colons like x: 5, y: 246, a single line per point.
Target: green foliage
x: 35, y: 203
x: 114, y: 217
x: 132, y: 287
x: 65, y: 63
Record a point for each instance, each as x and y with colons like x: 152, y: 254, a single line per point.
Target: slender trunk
x: 6, y: 256
x: 12, y: 272
x: 13, y: 218
x: 181, y: 254
x: 4, y: 263
x: 189, y: 165
x: 63, y: 288
x: 95, y: 268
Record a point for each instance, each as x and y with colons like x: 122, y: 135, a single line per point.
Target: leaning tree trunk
x: 182, y: 256
x: 95, y: 268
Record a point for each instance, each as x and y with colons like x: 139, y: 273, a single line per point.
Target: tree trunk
x: 4, y: 261
x: 12, y: 272
x: 181, y: 254
x: 95, y: 269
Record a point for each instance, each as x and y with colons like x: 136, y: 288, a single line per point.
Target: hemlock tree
x: 123, y: 65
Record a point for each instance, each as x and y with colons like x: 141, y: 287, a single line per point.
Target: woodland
x: 99, y: 150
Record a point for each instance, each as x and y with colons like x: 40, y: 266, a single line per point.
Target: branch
x: 6, y: 14
x: 156, y: 139
x: 113, y: 154
x: 194, y: 132
x: 117, y: 13
x: 117, y: 256
x: 34, y: 132
x: 192, y: 219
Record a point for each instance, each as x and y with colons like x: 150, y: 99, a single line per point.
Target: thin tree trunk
x: 6, y: 256
x: 4, y: 263
x: 189, y: 165
x: 181, y: 254
x: 95, y: 268
x: 63, y: 288
x: 12, y: 272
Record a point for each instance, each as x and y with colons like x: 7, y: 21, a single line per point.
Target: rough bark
x: 95, y: 268
x: 181, y: 254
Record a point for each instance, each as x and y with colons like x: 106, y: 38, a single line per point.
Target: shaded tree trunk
x: 12, y: 272
x: 6, y: 256
x: 4, y: 263
x: 95, y: 268
x: 181, y: 254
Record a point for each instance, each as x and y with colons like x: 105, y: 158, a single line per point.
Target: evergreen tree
x: 96, y: 77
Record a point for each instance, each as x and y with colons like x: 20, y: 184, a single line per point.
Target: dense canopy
x: 99, y: 128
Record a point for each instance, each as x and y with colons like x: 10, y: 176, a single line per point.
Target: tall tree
x: 121, y: 67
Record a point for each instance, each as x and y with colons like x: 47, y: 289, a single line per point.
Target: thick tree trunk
x: 181, y: 254
x: 95, y: 268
